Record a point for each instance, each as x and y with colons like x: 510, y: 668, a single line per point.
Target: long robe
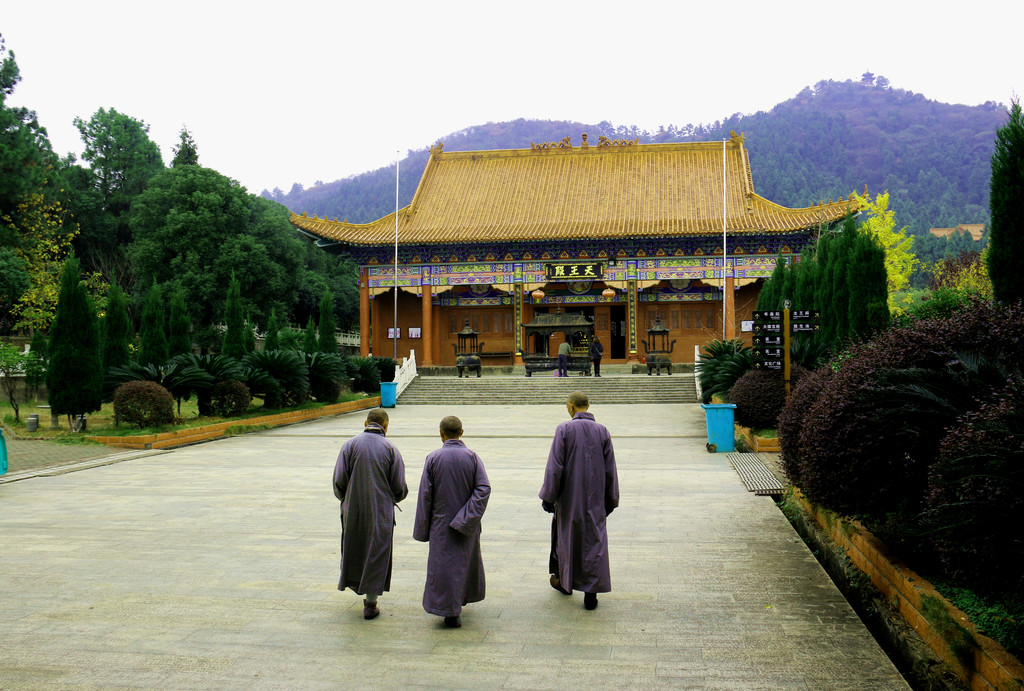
x: 369, y: 479
x: 452, y: 498
x: 582, y: 483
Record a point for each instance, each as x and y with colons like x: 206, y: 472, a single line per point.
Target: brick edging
x: 977, y: 659
x: 194, y: 435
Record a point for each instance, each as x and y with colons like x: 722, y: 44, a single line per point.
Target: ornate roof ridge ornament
x: 563, y: 143
x: 437, y: 148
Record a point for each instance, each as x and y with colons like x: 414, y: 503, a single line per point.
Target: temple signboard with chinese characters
x: 622, y: 233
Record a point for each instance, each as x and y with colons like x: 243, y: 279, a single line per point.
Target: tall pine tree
x: 868, y: 308
x: 1006, y: 204
x: 117, y: 330
x: 328, y: 343
x: 179, y: 341
x: 234, y: 336
x: 74, y: 377
x: 309, y: 341
x: 152, y: 331
x: 273, y: 339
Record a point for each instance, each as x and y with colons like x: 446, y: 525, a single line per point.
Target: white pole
x: 725, y: 248
x: 395, y: 332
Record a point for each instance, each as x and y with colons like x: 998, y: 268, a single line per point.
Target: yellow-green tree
x: 900, y: 260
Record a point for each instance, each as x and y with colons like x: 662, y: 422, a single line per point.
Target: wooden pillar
x: 426, y: 310
x: 364, y: 314
x: 729, y: 295
x: 517, y: 319
x: 632, y: 317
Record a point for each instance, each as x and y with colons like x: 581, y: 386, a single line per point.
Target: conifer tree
x: 868, y: 286
x: 74, y: 377
x: 117, y: 330
x: 249, y: 336
x: 1006, y: 204
x: 152, y: 331
x: 328, y: 342
x: 770, y: 295
x: 823, y: 289
x: 234, y: 338
x: 273, y: 339
x: 179, y: 341
x: 309, y: 341
x: 840, y: 257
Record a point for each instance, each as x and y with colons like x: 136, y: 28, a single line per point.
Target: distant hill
x: 825, y: 142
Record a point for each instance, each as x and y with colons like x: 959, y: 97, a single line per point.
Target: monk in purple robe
x: 452, y: 498
x: 581, y: 487
x: 369, y: 479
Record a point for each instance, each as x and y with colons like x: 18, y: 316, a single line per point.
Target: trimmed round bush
x: 229, y: 398
x: 759, y: 396
x: 144, y: 403
x: 792, y: 419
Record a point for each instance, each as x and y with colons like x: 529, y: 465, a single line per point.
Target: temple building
x: 626, y: 234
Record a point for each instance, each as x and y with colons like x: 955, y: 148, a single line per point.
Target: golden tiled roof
x: 557, y: 191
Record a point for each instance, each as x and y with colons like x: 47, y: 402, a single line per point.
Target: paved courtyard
x: 214, y: 567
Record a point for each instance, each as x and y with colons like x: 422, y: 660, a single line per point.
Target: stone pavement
x: 214, y: 567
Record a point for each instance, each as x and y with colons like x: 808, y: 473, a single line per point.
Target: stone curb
x: 195, y: 435
x: 977, y: 659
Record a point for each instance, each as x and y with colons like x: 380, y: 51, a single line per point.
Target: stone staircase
x: 518, y: 389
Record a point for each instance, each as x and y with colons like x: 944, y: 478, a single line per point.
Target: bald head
x: 578, y: 400
x: 377, y: 416
x: 451, y: 427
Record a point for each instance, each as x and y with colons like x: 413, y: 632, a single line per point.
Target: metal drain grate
x: 754, y: 474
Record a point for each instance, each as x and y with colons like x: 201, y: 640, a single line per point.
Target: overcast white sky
x: 282, y: 92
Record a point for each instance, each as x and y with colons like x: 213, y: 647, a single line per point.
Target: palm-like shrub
x: 144, y: 403
x: 721, y: 364
x: 387, y: 367
x: 218, y: 368
x: 179, y: 376
x: 288, y: 369
x: 327, y: 376
x: 365, y: 374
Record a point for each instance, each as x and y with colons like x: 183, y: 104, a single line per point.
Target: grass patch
x: 101, y: 423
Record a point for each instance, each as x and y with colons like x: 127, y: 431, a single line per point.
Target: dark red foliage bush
x: 144, y: 403
x: 975, y: 505
x: 792, y: 419
x: 760, y: 395
x: 864, y: 451
x: 229, y: 398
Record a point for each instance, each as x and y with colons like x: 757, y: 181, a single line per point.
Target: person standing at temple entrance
x: 563, y: 357
x: 369, y: 479
x: 596, y: 352
x: 581, y: 488
x: 452, y: 498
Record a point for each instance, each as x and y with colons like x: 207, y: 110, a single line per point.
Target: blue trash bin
x: 3, y: 453
x: 388, y: 394
x: 721, y: 430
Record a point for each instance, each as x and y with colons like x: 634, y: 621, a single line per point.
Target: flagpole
x: 395, y: 332
x: 724, y: 243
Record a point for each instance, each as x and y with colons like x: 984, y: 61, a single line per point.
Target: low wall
x: 194, y: 435
x: 976, y: 659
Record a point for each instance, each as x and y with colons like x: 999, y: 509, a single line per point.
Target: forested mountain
x: 825, y: 142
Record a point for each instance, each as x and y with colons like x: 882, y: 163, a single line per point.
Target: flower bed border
x: 758, y: 444
x: 976, y: 658
x: 195, y: 435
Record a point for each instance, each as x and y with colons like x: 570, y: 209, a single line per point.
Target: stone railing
x: 406, y: 373
x: 696, y: 372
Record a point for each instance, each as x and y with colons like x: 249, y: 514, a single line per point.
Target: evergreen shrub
x: 793, y: 418
x: 386, y: 366
x: 144, y: 403
x: 759, y: 396
x: 365, y: 374
x: 229, y: 398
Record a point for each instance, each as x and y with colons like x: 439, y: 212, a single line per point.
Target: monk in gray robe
x: 369, y: 479
x: 581, y: 487
x: 452, y: 499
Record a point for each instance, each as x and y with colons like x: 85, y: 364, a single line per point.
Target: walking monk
x: 369, y: 479
x: 452, y: 498
x: 581, y: 487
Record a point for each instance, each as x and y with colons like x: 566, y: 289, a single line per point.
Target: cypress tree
x: 788, y: 284
x: 117, y: 330
x: 840, y: 256
x: 152, y: 332
x: 74, y: 377
x: 1006, y: 204
x: 328, y: 342
x: 180, y: 327
x: 273, y: 340
x: 234, y: 338
x: 823, y: 289
x: 770, y: 295
x: 309, y: 341
x: 249, y: 336
x: 868, y: 309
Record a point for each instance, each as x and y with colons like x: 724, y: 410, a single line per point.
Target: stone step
x: 522, y: 390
